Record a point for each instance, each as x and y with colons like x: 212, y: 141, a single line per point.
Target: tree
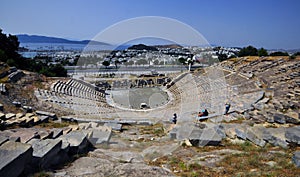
x: 130, y: 62
x: 9, y: 46
x: 116, y: 63
x: 105, y: 63
x: 182, y: 60
x: 279, y: 54
x: 262, y: 52
x: 222, y: 56
x: 248, y: 51
x: 297, y: 54
x: 156, y: 62
x: 142, y: 62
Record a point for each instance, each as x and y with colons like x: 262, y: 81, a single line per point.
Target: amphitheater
x: 102, y: 130
x: 183, y: 93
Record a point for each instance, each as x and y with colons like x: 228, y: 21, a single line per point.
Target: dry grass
x: 52, y: 124
x: 253, y: 161
x: 156, y: 130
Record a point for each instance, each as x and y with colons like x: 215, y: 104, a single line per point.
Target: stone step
x: 14, y: 157
x: 78, y: 141
x: 44, y: 151
x: 100, y: 137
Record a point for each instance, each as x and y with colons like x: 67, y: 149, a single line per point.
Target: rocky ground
x: 259, y: 137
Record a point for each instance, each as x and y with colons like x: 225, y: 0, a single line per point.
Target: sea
x: 35, y: 48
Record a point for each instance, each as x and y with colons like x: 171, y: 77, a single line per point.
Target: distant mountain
x: 24, y: 38
x: 143, y: 47
x: 171, y: 46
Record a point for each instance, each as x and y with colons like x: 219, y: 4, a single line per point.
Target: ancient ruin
x: 116, y: 137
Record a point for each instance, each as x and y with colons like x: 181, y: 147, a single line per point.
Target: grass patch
x: 52, y: 124
x: 156, y: 130
x: 238, y: 120
x: 255, y: 162
x: 42, y: 174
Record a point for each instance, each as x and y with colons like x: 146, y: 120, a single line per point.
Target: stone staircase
x: 25, y: 151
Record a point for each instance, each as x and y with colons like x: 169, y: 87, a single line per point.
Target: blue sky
x: 262, y: 23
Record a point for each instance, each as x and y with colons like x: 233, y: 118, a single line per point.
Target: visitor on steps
x: 203, y: 113
x: 227, y: 107
x: 174, y: 119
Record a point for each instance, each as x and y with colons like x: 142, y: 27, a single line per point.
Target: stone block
x: 9, y: 116
x: 26, y: 134
x: 83, y: 126
x: 56, y: 132
x: 36, y: 120
x: 44, y: 113
x: 220, y: 130
x: 241, y: 133
x: 292, y: 135
x: 15, y: 139
x: 205, y: 137
x: 279, y: 118
x: 292, y: 120
x: 14, y: 157
x: 144, y: 122
x: 3, y: 139
x: 77, y: 140
x: 173, y: 134
x: 114, y: 126
x: 45, y: 134
x: 128, y: 122
x: 2, y: 116
x: 44, y: 119
x: 100, y: 137
x: 29, y: 114
x: 19, y: 115
x: 44, y: 151
x: 296, y: 159
x: 27, y: 109
x: 276, y: 137
x: 230, y: 133
x: 255, y: 136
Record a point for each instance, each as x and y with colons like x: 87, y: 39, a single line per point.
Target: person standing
x: 227, y: 107
x: 174, y: 119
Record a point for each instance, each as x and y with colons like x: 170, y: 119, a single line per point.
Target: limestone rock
x: 9, y: 116
x: 44, y: 113
x: 276, y: 137
x: 56, y: 132
x: 292, y: 134
x: 78, y: 141
x: 230, y: 133
x: 140, y: 169
x: 100, y: 137
x: 279, y: 118
x: 144, y: 122
x: 44, y: 118
x: 14, y: 157
x: 207, y: 136
x: 255, y: 135
x: 114, y: 126
x: 44, y: 151
x: 2, y: 116
x: 241, y: 132
x: 25, y: 134
x: 19, y: 115
x: 3, y: 139
x: 296, y: 158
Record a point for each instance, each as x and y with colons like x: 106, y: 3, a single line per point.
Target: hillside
x: 24, y: 38
x: 259, y: 136
x: 143, y: 47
